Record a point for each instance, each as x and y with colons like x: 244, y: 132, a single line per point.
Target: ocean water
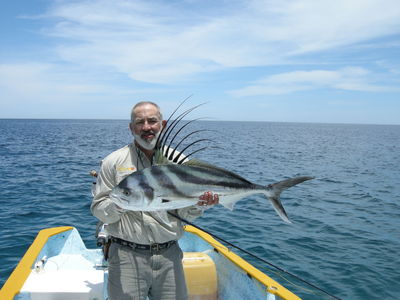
x: 345, y: 236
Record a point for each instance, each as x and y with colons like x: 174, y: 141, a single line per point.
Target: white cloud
x: 46, y: 90
x: 350, y: 78
x: 156, y: 41
x: 43, y: 82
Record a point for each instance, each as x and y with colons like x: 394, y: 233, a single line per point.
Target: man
x: 144, y: 257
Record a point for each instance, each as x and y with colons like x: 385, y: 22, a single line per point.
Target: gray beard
x: 145, y: 144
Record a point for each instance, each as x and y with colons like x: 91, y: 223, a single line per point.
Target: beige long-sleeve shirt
x: 135, y: 226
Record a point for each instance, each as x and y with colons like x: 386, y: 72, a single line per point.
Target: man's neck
x: 148, y: 153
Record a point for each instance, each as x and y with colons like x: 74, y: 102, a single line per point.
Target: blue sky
x: 283, y: 60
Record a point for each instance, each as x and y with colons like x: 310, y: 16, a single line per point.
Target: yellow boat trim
x: 271, y: 285
x: 18, y: 277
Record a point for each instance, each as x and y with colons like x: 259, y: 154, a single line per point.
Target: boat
x: 58, y: 265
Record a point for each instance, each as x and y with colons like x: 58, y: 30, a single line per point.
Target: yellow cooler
x: 201, y: 276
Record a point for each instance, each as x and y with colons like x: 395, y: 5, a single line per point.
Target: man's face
x: 146, y: 125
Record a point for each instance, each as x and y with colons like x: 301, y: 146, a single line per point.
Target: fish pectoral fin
x: 229, y: 205
x: 229, y: 202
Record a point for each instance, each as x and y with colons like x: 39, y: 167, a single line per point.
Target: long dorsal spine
x: 164, y: 138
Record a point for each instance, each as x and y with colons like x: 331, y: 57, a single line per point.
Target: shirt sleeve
x: 102, y: 207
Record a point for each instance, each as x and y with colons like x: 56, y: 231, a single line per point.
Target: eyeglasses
x: 149, y: 121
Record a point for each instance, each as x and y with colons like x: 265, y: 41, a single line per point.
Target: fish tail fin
x: 274, y: 191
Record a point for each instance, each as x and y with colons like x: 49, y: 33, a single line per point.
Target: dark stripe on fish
x: 124, y: 183
x: 214, y: 177
x: 165, y: 182
x: 144, y: 185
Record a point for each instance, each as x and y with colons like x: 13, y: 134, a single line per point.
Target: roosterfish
x: 175, y: 182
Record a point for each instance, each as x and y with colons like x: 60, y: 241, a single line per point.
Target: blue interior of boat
x: 233, y: 283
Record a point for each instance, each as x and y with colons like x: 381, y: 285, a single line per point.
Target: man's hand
x: 208, y: 199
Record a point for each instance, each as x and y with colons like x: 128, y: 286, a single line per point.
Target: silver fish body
x: 173, y: 186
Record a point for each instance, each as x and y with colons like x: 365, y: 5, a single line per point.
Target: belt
x: 152, y: 247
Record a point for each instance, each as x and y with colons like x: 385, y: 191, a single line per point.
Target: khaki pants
x: 136, y: 274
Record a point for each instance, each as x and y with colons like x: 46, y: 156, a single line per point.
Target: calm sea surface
x: 345, y: 235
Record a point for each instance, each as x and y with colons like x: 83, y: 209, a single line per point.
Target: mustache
x: 147, y: 132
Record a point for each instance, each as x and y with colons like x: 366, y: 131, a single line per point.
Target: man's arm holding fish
x: 102, y: 207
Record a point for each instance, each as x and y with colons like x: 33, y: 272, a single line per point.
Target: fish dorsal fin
x: 201, y: 164
x: 166, y: 151
x: 159, y: 158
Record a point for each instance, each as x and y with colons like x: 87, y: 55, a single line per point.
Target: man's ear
x: 131, y: 127
x: 163, y: 123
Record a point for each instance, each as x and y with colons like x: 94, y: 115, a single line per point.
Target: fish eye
x: 126, y: 192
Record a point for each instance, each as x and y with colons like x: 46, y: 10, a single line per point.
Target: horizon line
x: 204, y: 120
